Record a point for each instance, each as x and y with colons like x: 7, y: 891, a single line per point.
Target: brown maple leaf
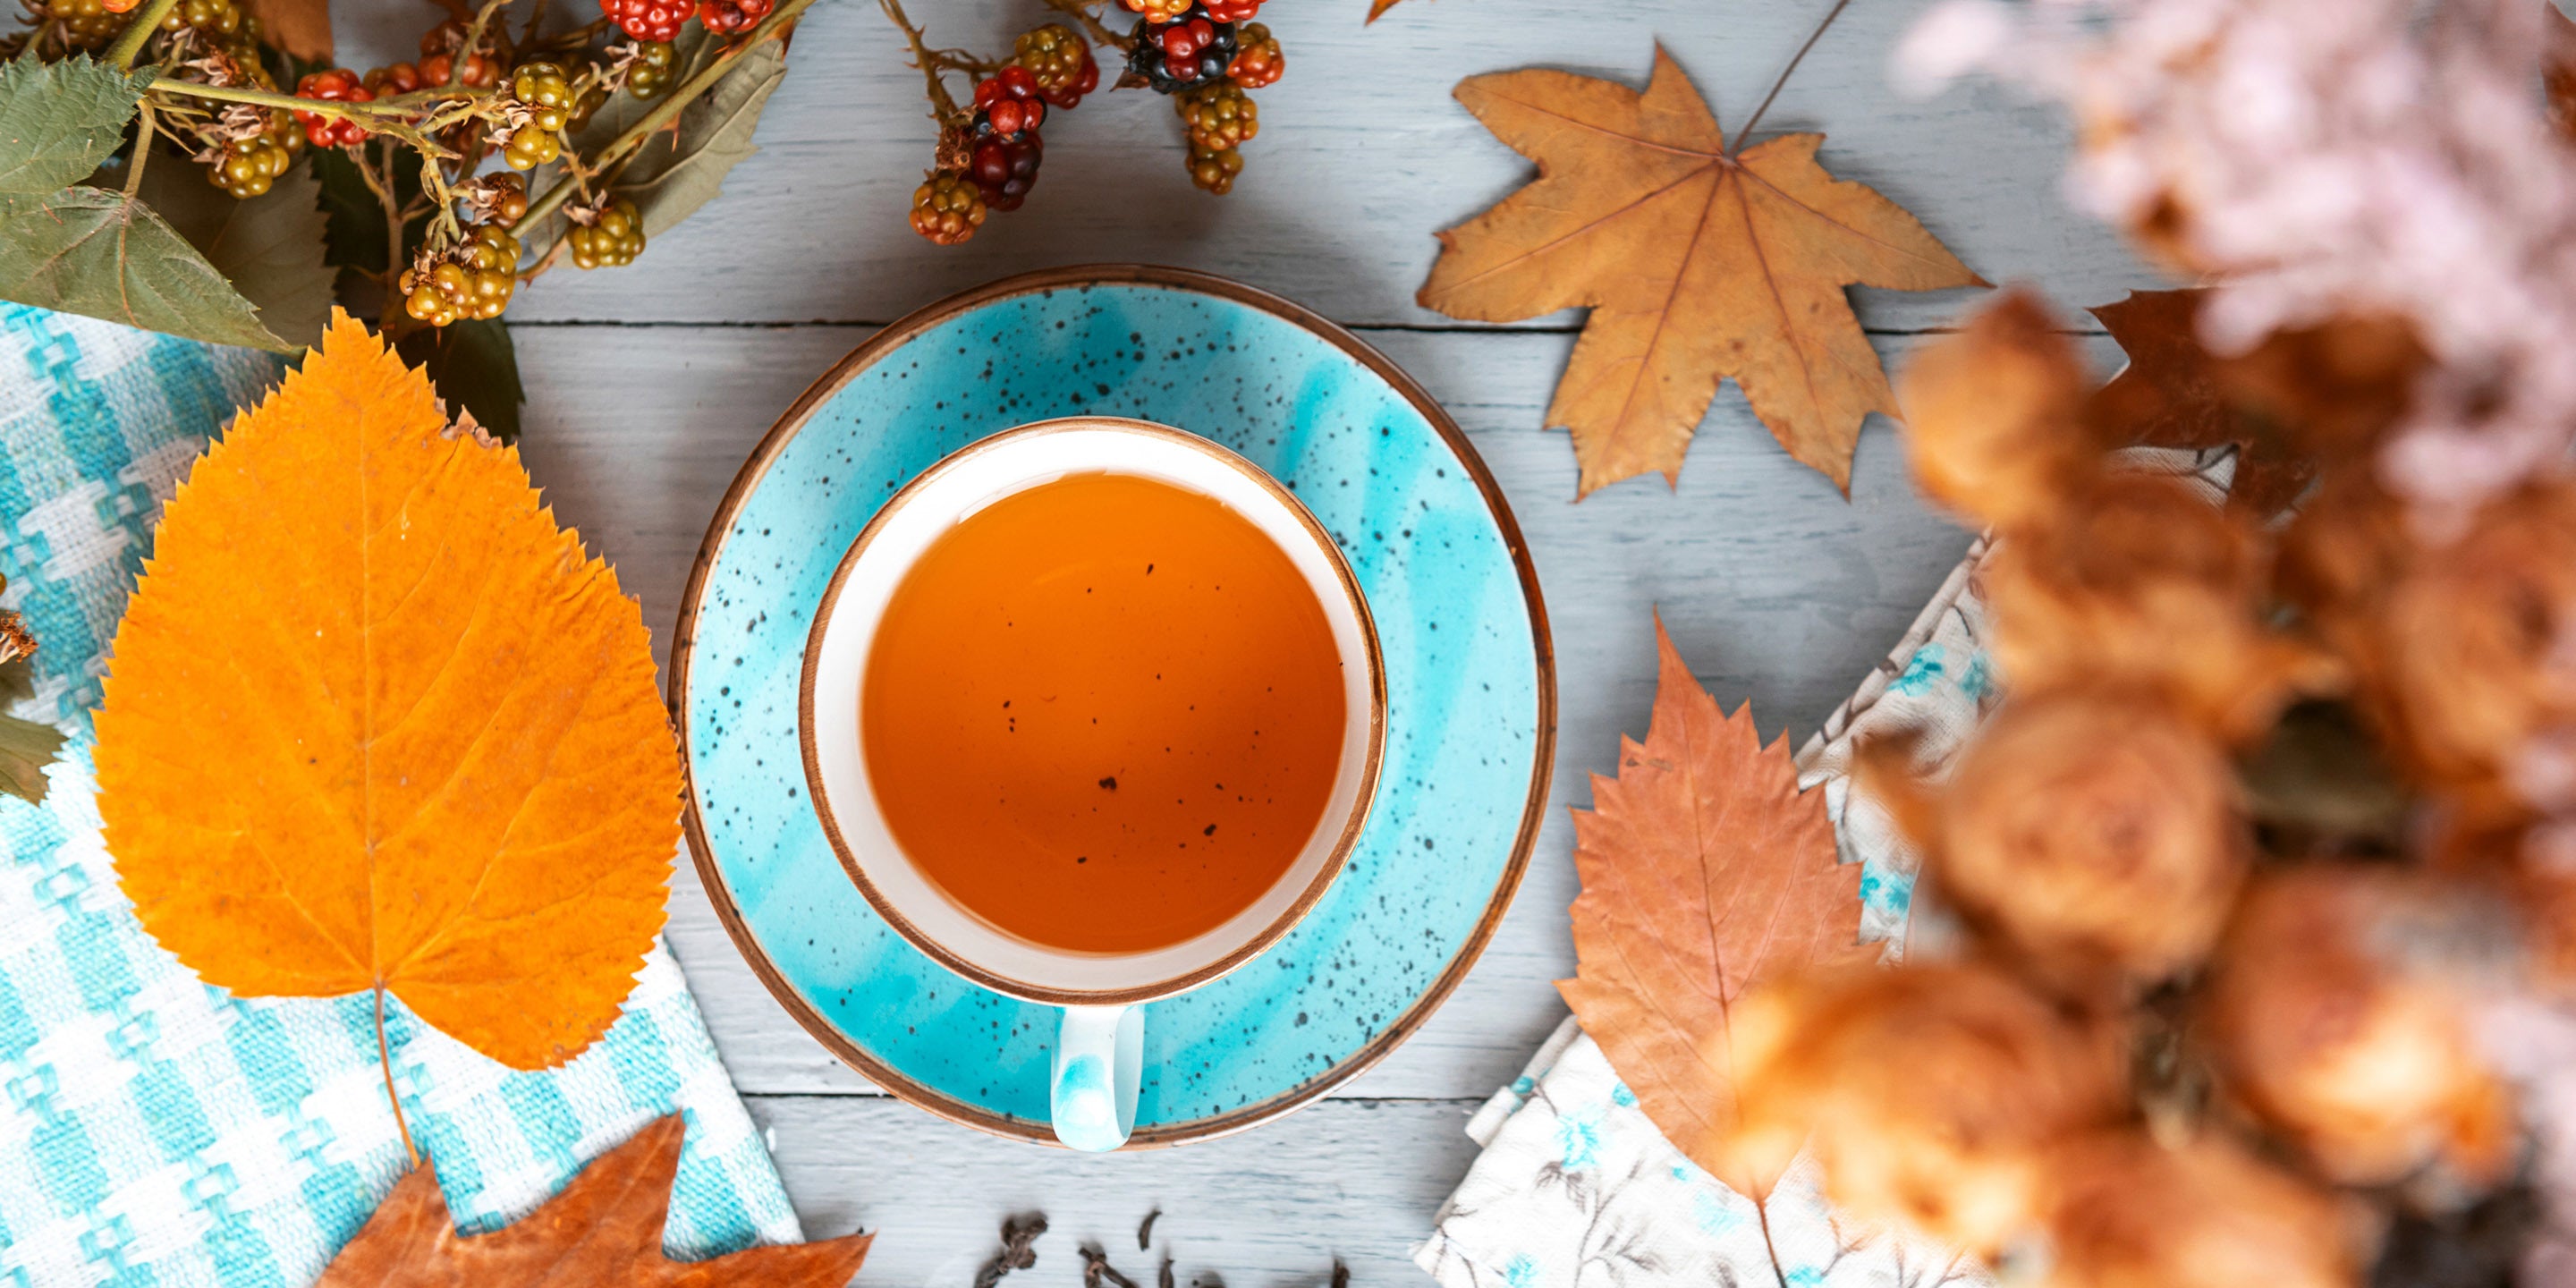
x: 605, y: 1228
x: 1705, y: 872
x: 1698, y: 263
x: 2306, y: 392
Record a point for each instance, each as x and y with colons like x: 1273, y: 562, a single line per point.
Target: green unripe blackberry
x: 612, y: 241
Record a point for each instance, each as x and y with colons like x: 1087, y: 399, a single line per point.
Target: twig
x: 1785, y: 72
x: 473, y: 37
x: 1091, y: 26
x: 129, y: 42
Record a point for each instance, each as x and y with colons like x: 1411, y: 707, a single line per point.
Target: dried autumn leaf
x: 300, y: 27
x: 1705, y: 872
x: 375, y: 722
x: 605, y: 1228
x: 2330, y: 389
x: 1698, y: 264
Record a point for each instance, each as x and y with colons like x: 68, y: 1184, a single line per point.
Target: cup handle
x: 1099, y: 1057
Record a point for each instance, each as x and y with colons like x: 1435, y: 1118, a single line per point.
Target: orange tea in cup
x: 1104, y: 713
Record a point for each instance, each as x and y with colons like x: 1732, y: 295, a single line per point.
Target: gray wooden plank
x: 1776, y: 588
x: 1358, y: 1180
x: 1362, y: 154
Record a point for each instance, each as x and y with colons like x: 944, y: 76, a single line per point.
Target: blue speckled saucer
x: 1471, y: 695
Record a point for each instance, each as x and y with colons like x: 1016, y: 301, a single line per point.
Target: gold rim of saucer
x: 820, y: 394
x: 1315, y: 885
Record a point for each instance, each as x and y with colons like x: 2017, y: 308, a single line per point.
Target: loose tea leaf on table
x: 1698, y: 263
x: 604, y: 1228
x: 375, y: 722
x: 1705, y: 871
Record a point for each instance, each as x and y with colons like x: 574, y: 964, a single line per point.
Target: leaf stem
x: 143, y: 133
x: 1741, y: 136
x: 385, y: 1057
x: 770, y: 28
x: 129, y: 42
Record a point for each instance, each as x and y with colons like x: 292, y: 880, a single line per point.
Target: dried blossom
x: 1991, y: 413
x: 2127, y: 1212
x: 1931, y: 1095
x: 2338, y: 1015
x: 2369, y: 158
x: 2096, y: 831
x: 2477, y: 650
x: 2140, y: 581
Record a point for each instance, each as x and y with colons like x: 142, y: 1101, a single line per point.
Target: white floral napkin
x: 1576, y: 1188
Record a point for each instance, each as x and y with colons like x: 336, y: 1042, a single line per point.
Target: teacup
x: 1098, y: 1058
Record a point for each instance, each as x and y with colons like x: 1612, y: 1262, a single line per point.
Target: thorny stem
x: 129, y: 42
x: 943, y: 109
x: 769, y: 29
x: 1100, y: 34
x: 473, y: 39
x: 1785, y: 72
x: 385, y: 1057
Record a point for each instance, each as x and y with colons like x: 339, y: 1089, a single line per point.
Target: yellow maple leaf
x: 1697, y: 264
x: 375, y: 722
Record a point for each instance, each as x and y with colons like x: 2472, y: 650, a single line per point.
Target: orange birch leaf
x: 375, y: 721
x: 605, y: 1228
x: 1697, y: 266
x: 1705, y: 872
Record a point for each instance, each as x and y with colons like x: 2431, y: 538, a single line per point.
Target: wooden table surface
x: 649, y: 385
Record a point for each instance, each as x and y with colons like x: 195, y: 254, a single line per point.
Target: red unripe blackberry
x: 338, y: 85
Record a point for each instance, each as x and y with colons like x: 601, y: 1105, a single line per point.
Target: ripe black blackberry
x: 1005, y: 169
x: 1191, y: 50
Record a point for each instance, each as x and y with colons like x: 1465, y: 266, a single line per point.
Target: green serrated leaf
x: 26, y: 747
x: 472, y: 364
x: 269, y: 246
x: 59, y: 121
x: 88, y: 251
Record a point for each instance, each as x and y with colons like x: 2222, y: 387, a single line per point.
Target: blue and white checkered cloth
x: 157, y: 1131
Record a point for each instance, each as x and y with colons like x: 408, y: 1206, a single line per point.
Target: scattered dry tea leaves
x: 1705, y: 872
x: 605, y: 1228
x: 1698, y: 263
x: 375, y: 722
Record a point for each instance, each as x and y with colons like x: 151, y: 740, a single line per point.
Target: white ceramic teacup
x: 1100, y: 1042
